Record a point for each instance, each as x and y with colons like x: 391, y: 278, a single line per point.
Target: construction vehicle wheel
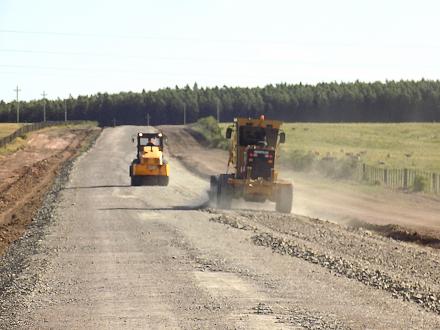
x: 136, y: 180
x: 284, y: 199
x: 224, y: 192
x: 133, y: 162
x: 213, y: 189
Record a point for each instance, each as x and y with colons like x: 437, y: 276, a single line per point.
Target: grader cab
x: 149, y: 168
x: 253, y: 154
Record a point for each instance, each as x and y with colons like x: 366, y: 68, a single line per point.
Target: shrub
x: 419, y: 183
x: 210, y: 130
x: 301, y: 160
x: 330, y: 167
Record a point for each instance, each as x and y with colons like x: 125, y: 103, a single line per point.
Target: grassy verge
x: 91, y: 139
x: 14, y: 146
x: 78, y: 125
x: 8, y: 128
x: 20, y: 141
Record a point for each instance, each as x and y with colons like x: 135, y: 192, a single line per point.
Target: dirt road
x: 115, y: 256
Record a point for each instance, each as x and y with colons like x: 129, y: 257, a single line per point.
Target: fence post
x: 385, y: 176
x: 405, y: 178
x: 438, y: 183
x: 434, y: 182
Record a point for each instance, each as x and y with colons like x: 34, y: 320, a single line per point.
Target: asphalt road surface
x: 154, y: 257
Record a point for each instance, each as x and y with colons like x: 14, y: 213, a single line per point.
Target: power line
x: 127, y: 71
x: 159, y: 58
x: 74, y: 34
x: 320, y: 43
x: 137, y: 36
x: 272, y: 61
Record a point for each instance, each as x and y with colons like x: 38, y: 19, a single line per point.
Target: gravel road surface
x: 104, y: 255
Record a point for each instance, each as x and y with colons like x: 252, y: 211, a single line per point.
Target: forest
x: 390, y: 101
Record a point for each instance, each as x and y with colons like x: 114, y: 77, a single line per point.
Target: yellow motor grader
x: 149, y: 168
x: 252, y: 155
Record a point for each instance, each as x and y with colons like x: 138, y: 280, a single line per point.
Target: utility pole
x: 44, y: 105
x: 148, y: 119
x: 218, y: 111
x: 184, y: 113
x: 18, y: 104
x: 65, y: 110
x: 71, y: 106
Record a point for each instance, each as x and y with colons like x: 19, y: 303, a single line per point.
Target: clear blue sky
x: 85, y: 47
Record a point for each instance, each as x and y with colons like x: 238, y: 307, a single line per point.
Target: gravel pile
x: 407, y: 271
x: 263, y: 309
x: 409, y: 261
x: 375, y: 278
x: 232, y: 221
x: 307, y: 320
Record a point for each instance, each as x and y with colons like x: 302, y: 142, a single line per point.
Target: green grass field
x: 8, y: 128
x: 408, y: 145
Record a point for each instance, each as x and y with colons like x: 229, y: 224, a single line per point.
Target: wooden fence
x: 32, y: 127
x: 399, y: 178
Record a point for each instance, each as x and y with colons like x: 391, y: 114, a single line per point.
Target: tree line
x: 391, y: 101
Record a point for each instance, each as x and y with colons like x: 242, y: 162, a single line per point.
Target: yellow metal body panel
x: 259, y: 187
x: 140, y: 170
x: 258, y: 122
x: 151, y: 163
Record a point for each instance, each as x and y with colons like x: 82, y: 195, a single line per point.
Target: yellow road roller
x: 149, y: 168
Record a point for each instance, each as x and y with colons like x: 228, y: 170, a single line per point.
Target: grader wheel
x: 224, y: 192
x: 212, y: 193
x: 284, y: 199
